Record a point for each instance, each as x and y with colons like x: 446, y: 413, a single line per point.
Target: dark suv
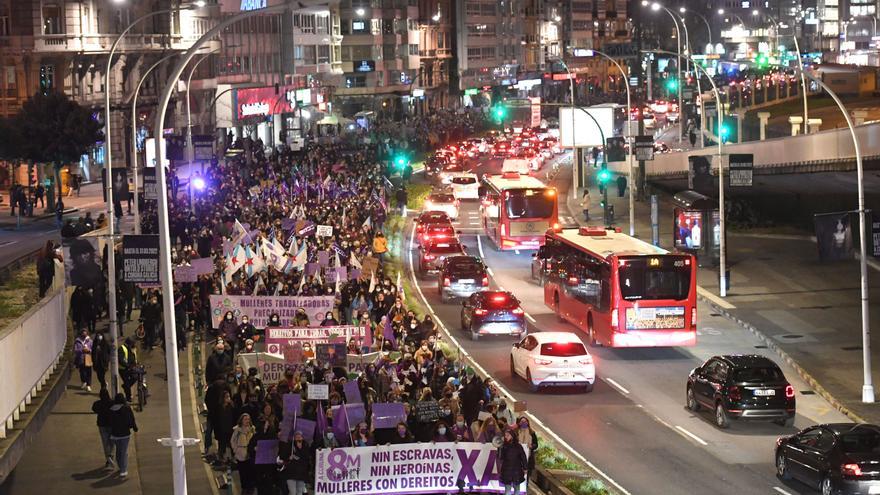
x: 461, y: 276
x: 432, y: 254
x: 741, y: 386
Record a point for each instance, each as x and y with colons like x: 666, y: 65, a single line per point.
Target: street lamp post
x: 134, y: 159
x: 800, y: 68
x: 575, y: 163
x: 868, y: 381
x: 177, y: 441
x: 190, y: 153
x: 656, y: 6
x: 108, y: 178
x: 632, y: 221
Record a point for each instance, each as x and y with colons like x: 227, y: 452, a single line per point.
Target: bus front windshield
x: 655, y: 277
x: 530, y: 203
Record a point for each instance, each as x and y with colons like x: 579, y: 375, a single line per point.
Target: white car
x: 553, y: 359
x: 465, y: 186
x: 441, y: 201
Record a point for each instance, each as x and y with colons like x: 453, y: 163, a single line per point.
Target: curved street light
x: 800, y: 66
x: 655, y: 7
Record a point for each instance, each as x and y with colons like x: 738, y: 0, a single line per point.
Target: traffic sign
x: 741, y: 167
x: 644, y: 148
x: 710, y: 108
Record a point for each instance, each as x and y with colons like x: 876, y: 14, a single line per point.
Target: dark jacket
x: 101, y: 407
x: 214, y: 396
x: 219, y: 363
x: 121, y: 421
x: 101, y: 354
x: 298, y: 465
x: 511, y: 463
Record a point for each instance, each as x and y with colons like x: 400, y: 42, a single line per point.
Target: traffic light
x: 400, y: 161
x: 728, y: 131
x: 603, y: 176
x: 672, y: 84
x: 499, y: 112
x: 762, y: 61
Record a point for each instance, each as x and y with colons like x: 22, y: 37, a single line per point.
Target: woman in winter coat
x: 512, y: 465
x: 101, y: 358
x: 82, y: 358
x: 224, y: 424
x: 242, y: 434
x: 101, y: 408
x: 295, y: 461
x: 121, y: 424
x: 526, y: 435
x: 228, y: 328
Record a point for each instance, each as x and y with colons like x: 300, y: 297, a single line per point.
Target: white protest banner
x: 318, y: 391
x: 408, y: 469
x: 324, y: 231
x: 271, y: 368
x: 258, y: 309
x: 278, y: 338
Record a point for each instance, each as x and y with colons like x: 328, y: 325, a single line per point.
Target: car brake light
x: 614, y: 318
x: 543, y: 362
x: 485, y: 281
x: 518, y: 311
x: 480, y: 312
x: 789, y: 392
x: 694, y: 317
x: 734, y: 393
x: 586, y: 360
x: 429, y: 256
x: 446, y: 282
x: 556, y: 226
x: 851, y: 470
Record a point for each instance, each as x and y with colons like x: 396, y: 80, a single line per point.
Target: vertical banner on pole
x: 655, y: 220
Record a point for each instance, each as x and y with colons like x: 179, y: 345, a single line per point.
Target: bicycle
x: 139, y: 372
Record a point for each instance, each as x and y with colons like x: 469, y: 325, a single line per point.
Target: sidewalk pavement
x: 89, y: 199
x: 808, y: 312
x: 67, y: 456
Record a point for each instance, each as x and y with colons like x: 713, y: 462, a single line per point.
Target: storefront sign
x: 140, y: 259
x: 252, y: 102
x: 258, y: 309
x: 203, y: 147
x: 248, y: 5
x: 408, y: 469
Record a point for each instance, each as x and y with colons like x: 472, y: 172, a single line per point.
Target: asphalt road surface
x: 633, y: 427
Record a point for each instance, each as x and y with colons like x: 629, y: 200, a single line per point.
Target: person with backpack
x: 121, y: 425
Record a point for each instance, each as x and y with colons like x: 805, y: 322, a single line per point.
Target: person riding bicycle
x: 127, y: 357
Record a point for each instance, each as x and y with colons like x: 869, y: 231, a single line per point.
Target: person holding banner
x: 526, y: 436
x: 512, y: 464
x: 363, y: 437
x: 295, y: 461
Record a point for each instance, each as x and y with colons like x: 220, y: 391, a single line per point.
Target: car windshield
x: 563, y: 349
x: 443, y: 248
x: 530, y: 203
x: 861, y: 440
x: 667, y: 277
x: 763, y: 374
x: 464, y: 180
x: 441, y: 198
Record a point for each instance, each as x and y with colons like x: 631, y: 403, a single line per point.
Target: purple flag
x: 267, y: 452
x: 307, y: 427
x: 388, y: 332
x: 323, y: 258
x: 321, y: 423
x: 292, y: 405
x: 352, y: 392
x: 354, y: 274
x: 341, y: 273
x: 288, y: 224
x: 388, y: 414
x: 311, y: 269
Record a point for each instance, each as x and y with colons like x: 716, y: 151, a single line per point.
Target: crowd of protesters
x: 269, y: 195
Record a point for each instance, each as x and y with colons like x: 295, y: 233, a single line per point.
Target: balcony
x: 101, y: 43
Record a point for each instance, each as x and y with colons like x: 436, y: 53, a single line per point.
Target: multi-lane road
x: 633, y: 427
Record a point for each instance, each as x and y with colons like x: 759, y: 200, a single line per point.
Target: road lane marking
x: 480, y: 247
x: 490, y: 272
x: 715, y: 299
x: 516, y: 251
x: 7, y: 243
x: 616, y: 385
x: 692, y: 436
x: 532, y: 418
x: 531, y: 318
x: 780, y: 490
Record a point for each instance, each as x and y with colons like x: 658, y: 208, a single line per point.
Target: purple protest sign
x: 388, y: 414
x: 307, y: 427
x: 288, y: 224
x: 341, y: 273
x: 292, y: 404
x: 355, y: 414
x: 311, y: 269
x: 323, y: 258
x: 266, y: 452
x: 352, y: 392
x: 354, y: 274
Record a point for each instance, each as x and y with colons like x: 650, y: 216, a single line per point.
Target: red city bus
x: 517, y: 209
x: 621, y: 291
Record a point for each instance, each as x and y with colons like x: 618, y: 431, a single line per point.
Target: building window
x: 47, y: 78
x: 309, y: 54
x: 11, y: 85
x: 362, y: 52
x: 355, y: 81
x: 581, y: 7
x: 387, y: 26
x: 322, y: 24
x: 52, y: 19
x: 323, y: 54
x: 359, y: 26
x: 388, y: 52
x: 413, y: 49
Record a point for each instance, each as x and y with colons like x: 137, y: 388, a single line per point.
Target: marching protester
x: 512, y: 465
x: 82, y: 350
x: 101, y: 408
x: 122, y: 423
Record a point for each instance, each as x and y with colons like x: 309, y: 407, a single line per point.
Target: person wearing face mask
x: 301, y: 319
x: 460, y: 430
x: 401, y: 435
x: 219, y: 363
x: 363, y: 437
x: 489, y: 432
x: 330, y: 440
x: 101, y: 358
x: 295, y: 464
x: 526, y: 435
x: 442, y: 433
x: 228, y: 328
x: 151, y: 316
x: 245, y: 332
x: 329, y: 320
x: 423, y: 354
x: 512, y: 465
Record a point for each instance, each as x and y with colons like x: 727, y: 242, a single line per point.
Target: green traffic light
x: 604, y: 176
x: 400, y: 161
x: 672, y: 84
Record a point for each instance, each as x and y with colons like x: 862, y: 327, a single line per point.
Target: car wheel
x: 556, y: 306
x: 532, y: 385
x: 588, y: 388
x: 826, y: 487
x: 692, y: 403
x: 782, y: 467
x: 721, y: 419
x: 512, y: 368
x: 592, y: 333
x: 785, y: 423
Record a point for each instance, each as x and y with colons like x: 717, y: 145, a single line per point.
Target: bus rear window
x: 530, y: 203
x: 655, y: 277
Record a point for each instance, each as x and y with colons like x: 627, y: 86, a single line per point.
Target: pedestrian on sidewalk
x: 101, y: 408
x: 39, y: 195
x: 585, y: 204
x: 82, y: 358
x: 101, y: 359
x: 121, y: 425
x: 46, y: 267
